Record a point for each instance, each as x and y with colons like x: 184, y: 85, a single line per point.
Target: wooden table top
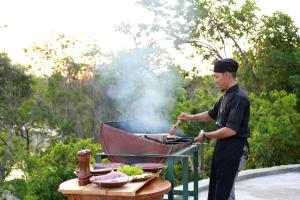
x: 153, y: 189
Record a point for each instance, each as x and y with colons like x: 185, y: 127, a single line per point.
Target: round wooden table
x: 152, y: 190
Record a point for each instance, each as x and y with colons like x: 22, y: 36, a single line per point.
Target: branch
x: 243, y: 53
x: 206, y: 46
x: 223, y: 42
x: 220, y: 28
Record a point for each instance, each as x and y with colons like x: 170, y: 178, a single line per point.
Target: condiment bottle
x: 84, y: 167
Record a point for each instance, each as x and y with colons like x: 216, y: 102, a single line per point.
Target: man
x: 231, y: 114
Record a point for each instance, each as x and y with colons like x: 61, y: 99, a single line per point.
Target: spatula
x: 174, y: 127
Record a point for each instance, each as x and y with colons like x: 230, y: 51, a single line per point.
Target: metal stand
x: 183, y: 155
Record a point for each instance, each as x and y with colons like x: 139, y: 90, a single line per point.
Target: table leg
x: 170, y: 176
x: 196, y: 177
x: 185, y: 179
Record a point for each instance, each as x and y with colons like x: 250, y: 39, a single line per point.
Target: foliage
x: 275, y: 126
x: 267, y: 48
x: 59, y: 55
x: 17, y: 187
x: 274, y: 54
x: 54, y: 166
x: 216, y: 29
x: 71, y: 98
x: 15, y: 89
x: 199, y: 96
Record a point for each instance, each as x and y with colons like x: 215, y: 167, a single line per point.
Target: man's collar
x: 233, y: 88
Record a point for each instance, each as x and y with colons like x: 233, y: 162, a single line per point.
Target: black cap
x: 226, y: 65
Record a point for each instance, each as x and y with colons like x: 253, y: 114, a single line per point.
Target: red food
x: 109, y: 176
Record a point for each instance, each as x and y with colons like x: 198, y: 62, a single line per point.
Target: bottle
x: 201, y: 156
x: 84, y: 174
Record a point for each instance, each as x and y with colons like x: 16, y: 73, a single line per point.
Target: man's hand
x: 200, y: 138
x: 184, y: 117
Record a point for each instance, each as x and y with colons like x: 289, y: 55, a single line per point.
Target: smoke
x: 142, y: 85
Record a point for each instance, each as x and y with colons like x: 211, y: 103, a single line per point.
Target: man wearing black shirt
x: 231, y: 114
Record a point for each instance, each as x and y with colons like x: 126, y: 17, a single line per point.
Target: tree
x: 274, y: 53
x: 72, y: 92
x: 15, y: 88
x: 228, y: 28
x: 216, y: 29
x: 275, y: 126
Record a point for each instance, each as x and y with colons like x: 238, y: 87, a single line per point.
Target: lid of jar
x: 84, y: 152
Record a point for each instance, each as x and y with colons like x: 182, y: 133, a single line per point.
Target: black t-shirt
x: 233, y: 111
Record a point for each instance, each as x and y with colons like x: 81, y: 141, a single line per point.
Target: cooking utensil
x: 174, y: 127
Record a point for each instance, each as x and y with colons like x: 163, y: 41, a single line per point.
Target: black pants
x: 225, y: 164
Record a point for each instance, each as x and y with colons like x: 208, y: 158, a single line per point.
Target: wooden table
x: 151, y: 190
x: 181, y: 155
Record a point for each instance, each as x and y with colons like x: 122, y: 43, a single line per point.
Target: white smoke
x: 142, y: 83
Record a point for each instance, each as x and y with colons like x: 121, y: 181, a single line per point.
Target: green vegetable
x: 131, y: 170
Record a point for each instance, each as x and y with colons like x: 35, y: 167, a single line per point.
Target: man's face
x: 221, y: 79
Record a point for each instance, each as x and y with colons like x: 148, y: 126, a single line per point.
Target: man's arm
x: 218, y: 134
x: 202, y: 117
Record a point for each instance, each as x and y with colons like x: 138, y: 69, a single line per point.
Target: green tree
x: 15, y: 88
x: 275, y: 126
x: 216, y: 29
x: 266, y: 48
x: 274, y: 54
x: 72, y: 96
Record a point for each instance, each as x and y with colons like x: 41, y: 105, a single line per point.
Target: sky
x: 38, y: 20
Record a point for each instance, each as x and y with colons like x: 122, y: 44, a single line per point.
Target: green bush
x: 275, y: 128
x: 54, y: 166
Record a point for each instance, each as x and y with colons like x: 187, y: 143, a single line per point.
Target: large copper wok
x: 120, y: 138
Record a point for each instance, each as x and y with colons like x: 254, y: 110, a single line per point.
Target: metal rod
x: 196, y: 175
x: 144, y: 155
x: 170, y: 174
x: 185, y: 179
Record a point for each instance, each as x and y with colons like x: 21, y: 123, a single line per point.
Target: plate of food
x: 111, y: 165
x: 100, y: 171
x: 141, y: 177
x: 131, y: 170
x: 150, y: 167
x: 102, y: 168
x: 111, y: 180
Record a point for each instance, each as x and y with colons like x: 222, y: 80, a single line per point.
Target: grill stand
x: 184, y: 155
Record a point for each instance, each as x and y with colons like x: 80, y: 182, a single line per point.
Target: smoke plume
x: 142, y: 85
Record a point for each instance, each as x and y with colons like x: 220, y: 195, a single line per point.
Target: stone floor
x: 272, y: 187
x: 274, y: 183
